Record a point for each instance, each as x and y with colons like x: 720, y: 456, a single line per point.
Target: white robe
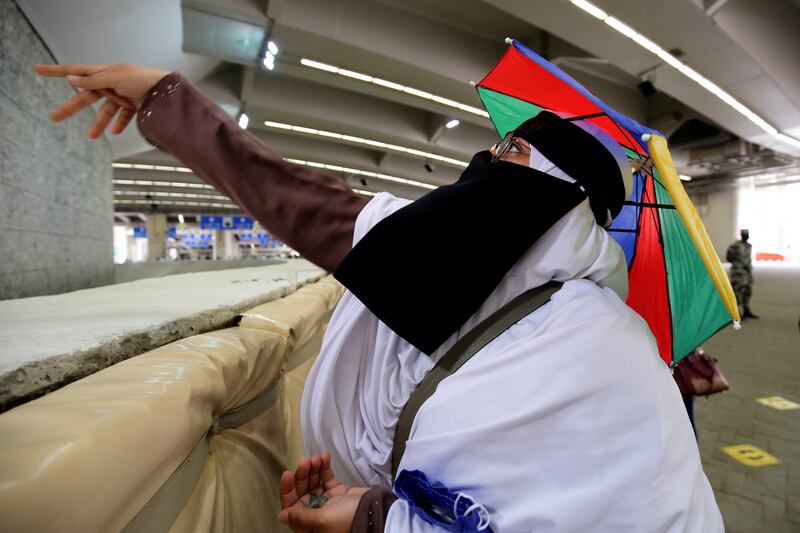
x: 568, y: 421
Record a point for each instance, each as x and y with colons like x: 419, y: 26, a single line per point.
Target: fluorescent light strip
x: 182, y: 204
x: 394, y: 86
x: 347, y: 170
x: 369, y: 142
x: 591, y: 9
x: 178, y: 184
x: 165, y: 168
x: 788, y: 140
x: 684, y: 69
x: 170, y: 194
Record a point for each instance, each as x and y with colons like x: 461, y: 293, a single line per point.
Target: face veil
x: 425, y: 269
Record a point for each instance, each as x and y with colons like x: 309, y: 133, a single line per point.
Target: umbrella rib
x: 625, y: 133
x: 652, y: 175
x: 649, y: 204
x: 641, y: 177
x: 663, y: 243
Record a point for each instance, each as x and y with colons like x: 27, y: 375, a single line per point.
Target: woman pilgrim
x: 566, y: 421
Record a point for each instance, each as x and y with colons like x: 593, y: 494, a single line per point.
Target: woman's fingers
x: 104, y: 116
x: 117, y: 99
x: 86, y: 98
x: 325, y: 471
x: 287, y: 490
x: 301, y: 476
x: 125, y: 85
x: 104, y: 79
x: 313, y: 475
x: 123, y: 119
x: 327, y: 477
x: 60, y: 71
x: 75, y: 104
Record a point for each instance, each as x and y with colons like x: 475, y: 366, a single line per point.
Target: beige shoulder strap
x: 461, y: 352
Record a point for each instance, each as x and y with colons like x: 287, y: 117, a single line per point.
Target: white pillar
x: 217, y: 244
x: 131, y: 243
x: 156, y: 236
x: 232, y: 250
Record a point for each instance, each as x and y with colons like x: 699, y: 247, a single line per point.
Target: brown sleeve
x: 372, y: 509
x: 311, y: 211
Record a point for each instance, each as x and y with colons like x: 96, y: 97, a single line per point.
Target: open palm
x: 314, y: 477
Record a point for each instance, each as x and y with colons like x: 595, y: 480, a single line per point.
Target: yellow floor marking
x: 776, y: 402
x: 750, y: 455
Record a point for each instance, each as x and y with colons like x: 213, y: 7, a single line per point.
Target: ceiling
x: 745, y: 47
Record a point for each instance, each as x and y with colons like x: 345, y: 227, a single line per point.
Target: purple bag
x: 698, y: 374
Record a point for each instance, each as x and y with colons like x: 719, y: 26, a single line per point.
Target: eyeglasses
x: 529, y: 128
x: 502, y: 147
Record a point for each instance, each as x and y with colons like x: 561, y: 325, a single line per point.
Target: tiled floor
x: 762, y: 359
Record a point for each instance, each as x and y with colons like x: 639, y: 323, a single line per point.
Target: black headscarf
x: 581, y: 156
x: 425, y: 269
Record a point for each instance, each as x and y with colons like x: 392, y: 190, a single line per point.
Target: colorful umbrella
x: 676, y: 281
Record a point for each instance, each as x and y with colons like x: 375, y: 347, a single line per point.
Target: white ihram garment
x: 567, y: 421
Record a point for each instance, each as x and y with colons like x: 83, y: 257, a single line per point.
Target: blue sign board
x: 268, y: 241
x: 225, y: 222
x: 212, y: 221
x: 241, y: 222
x: 172, y: 232
x: 140, y: 232
x: 197, y: 240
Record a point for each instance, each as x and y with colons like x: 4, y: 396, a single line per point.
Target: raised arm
x: 312, y: 211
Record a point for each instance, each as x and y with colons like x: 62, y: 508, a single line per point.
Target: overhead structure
x: 395, y: 72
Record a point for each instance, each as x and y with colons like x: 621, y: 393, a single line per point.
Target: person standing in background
x: 739, y: 256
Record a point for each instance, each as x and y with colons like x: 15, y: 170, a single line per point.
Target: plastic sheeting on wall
x: 192, y: 436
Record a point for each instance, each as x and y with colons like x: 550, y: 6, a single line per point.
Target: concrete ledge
x: 47, y: 342
x: 156, y: 269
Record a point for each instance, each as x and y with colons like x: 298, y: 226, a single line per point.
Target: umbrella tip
x: 472, y: 83
x: 737, y: 325
x: 509, y: 40
x: 645, y: 137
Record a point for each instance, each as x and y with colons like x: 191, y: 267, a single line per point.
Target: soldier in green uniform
x: 739, y: 254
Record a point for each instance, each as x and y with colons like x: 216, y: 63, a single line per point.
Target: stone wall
x: 56, y: 209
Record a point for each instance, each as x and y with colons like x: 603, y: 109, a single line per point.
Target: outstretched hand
x: 124, y: 88
x: 313, y: 478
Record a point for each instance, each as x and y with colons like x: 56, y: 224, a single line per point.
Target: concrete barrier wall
x: 191, y: 436
x: 156, y: 269
x: 49, y: 341
x: 56, y: 209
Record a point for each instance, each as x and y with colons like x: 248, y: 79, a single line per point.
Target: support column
x: 232, y: 250
x: 218, y: 245
x: 156, y: 236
